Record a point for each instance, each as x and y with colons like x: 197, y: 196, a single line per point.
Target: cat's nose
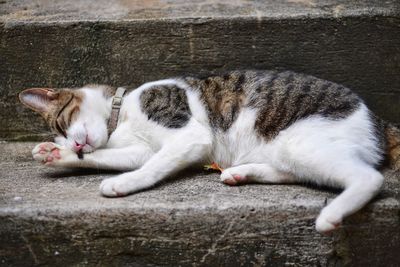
x: 78, y: 146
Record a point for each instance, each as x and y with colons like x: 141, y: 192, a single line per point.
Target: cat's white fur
x: 338, y: 153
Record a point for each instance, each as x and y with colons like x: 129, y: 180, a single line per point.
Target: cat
x: 258, y: 126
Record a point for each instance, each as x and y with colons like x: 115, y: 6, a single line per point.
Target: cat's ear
x: 39, y: 99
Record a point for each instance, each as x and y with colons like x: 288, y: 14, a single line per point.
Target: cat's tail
x: 392, y: 134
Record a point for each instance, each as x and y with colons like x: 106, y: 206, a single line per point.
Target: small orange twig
x: 213, y: 166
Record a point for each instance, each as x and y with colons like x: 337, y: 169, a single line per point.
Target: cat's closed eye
x: 67, y: 116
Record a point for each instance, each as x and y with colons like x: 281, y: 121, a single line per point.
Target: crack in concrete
x: 213, y: 248
x: 28, y: 245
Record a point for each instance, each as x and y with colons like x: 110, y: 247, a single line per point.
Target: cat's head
x: 78, y: 116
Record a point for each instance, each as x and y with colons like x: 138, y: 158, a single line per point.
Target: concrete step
x: 71, y: 43
x: 57, y: 218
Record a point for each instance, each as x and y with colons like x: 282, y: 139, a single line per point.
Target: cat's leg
x: 255, y: 173
x: 127, y: 158
x: 188, y: 147
x: 362, y: 182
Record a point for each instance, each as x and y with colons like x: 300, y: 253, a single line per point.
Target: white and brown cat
x: 259, y: 126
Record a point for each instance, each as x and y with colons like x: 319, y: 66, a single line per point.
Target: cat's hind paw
x: 231, y: 177
x: 326, y: 224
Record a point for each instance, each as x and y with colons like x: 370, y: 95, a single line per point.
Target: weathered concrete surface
x: 70, y: 43
x: 57, y: 218
x: 18, y: 11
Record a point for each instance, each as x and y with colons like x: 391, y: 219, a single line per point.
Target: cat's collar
x: 115, y: 108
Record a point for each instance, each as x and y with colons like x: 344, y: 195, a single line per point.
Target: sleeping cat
x: 258, y: 126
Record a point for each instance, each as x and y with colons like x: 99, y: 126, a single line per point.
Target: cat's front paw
x: 114, y: 187
x: 52, y: 154
x: 125, y: 184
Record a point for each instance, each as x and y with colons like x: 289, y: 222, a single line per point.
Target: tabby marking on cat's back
x: 287, y: 97
x: 223, y: 96
x: 281, y: 98
x: 166, y: 105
